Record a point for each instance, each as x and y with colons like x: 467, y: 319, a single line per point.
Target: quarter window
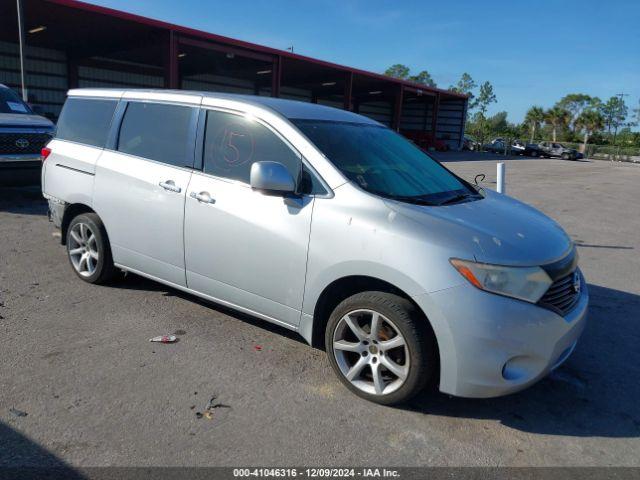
x: 86, y: 121
x: 158, y: 132
x: 234, y: 142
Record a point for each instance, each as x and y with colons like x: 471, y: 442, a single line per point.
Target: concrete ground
x: 76, y: 359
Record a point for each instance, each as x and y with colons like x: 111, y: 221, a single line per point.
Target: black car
x: 22, y: 136
x: 527, y: 149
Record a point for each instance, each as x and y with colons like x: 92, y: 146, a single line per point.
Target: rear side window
x: 158, y: 132
x: 233, y: 143
x: 86, y: 121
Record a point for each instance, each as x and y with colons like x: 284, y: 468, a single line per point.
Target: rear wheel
x: 566, y: 156
x: 381, y: 347
x: 88, y: 249
x: 534, y: 153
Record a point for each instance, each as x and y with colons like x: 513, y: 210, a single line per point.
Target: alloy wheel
x: 83, y: 249
x: 371, y: 352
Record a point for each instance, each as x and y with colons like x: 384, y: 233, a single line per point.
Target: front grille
x: 22, y: 143
x: 563, y: 294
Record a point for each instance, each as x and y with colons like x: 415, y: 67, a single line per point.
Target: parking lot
x: 76, y: 359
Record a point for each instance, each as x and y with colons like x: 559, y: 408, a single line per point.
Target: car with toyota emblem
x: 23, y: 134
x: 324, y: 222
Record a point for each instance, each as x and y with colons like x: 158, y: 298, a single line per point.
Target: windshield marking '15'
x: 384, y: 163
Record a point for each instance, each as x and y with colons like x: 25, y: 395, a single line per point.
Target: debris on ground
x: 209, y: 411
x: 180, y: 332
x: 164, y: 339
x: 257, y: 348
x: 17, y: 413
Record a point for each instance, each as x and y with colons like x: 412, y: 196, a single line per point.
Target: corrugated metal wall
x: 416, y: 116
x: 450, y: 122
x: 292, y: 93
x: 109, y: 78
x: 381, y: 111
x: 46, y: 75
x: 217, y: 83
x: 47, y: 85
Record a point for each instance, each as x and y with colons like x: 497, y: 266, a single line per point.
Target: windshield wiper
x: 417, y: 200
x: 457, y: 198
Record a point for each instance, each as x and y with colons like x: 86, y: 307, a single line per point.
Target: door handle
x: 170, y: 185
x: 203, y: 197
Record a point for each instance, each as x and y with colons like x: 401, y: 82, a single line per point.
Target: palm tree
x: 556, y: 117
x: 535, y: 116
x: 590, y: 121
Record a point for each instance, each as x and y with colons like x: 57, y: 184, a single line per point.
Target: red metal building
x: 74, y: 44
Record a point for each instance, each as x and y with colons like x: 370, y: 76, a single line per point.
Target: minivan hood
x: 503, y: 230
x: 21, y: 120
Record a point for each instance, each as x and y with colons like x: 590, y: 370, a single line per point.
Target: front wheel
x: 381, y: 347
x: 88, y: 249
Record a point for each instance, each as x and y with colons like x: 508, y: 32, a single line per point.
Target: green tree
x: 485, y: 98
x: 614, y: 112
x: 397, y: 71
x: 534, y: 118
x: 574, y: 103
x: 466, y: 85
x: 498, y: 123
x: 590, y: 121
x: 424, y: 78
x: 478, y: 127
x: 557, y: 118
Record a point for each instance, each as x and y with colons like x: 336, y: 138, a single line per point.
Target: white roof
x: 290, y: 109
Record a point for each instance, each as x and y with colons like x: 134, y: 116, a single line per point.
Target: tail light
x: 45, y: 152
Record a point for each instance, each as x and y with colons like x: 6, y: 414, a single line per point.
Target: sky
x: 533, y: 52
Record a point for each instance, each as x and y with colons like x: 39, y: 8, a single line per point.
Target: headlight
x: 524, y: 283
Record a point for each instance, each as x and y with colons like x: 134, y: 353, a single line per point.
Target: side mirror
x: 271, y: 177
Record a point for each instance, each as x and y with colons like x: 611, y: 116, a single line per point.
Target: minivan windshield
x: 384, y: 163
x: 10, y: 102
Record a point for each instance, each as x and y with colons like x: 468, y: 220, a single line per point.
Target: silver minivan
x: 322, y: 221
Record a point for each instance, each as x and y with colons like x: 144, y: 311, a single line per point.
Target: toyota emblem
x: 22, y: 143
x: 576, y: 282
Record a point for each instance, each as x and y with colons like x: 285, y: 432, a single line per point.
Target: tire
x: 534, y: 153
x: 88, y: 249
x: 404, y: 369
x: 566, y: 156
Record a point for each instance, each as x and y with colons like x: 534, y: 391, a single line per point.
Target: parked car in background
x: 555, y: 149
x: 321, y: 221
x: 517, y: 147
x: 425, y: 140
x: 527, y: 149
x: 22, y: 136
x: 469, y: 143
x: 497, y: 145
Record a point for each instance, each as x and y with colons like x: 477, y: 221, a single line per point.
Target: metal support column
x: 171, y: 67
x: 434, y: 118
x: 276, y: 74
x: 348, y: 91
x: 72, y: 72
x: 397, y: 111
x: 23, y: 84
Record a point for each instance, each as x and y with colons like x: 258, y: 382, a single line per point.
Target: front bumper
x: 493, y: 345
x: 20, y: 170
